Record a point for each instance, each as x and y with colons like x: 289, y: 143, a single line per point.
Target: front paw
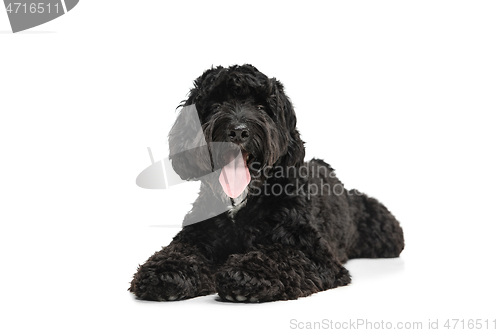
x: 251, y: 277
x: 171, y: 281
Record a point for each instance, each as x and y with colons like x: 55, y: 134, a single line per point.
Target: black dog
x: 290, y: 224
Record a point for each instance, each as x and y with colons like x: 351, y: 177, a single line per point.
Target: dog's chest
x: 237, y: 204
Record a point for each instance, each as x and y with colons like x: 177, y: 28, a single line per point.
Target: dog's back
x: 353, y: 224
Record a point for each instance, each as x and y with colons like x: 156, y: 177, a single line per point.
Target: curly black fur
x: 271, y: 246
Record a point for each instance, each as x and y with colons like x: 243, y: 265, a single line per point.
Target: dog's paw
x: 170, y: 285
x: 160, y: 286
x: 251, y: 277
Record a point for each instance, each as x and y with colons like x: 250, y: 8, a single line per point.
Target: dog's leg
x: 281, y: 271
x: 178, y: 271
x: 378, y: 233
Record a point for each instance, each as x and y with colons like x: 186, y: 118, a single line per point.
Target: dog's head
x: 240, y: 116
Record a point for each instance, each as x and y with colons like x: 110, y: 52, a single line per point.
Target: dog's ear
x: 203, y: 87
x: 295, y: 150
x: 188, y: 148
x: 189, y: 152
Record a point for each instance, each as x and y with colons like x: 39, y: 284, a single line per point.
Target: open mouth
x: 250, y: 159
x: 247, y: 156
x: 230, y: 154
x: 235, y: 175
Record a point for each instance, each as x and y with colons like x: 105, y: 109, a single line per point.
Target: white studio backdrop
x: 401, y: 98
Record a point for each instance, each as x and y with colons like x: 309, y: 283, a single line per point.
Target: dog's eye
x: 216, y: 106
x: 261, y: 108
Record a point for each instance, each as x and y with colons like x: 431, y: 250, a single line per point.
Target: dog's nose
x: 238, y: 134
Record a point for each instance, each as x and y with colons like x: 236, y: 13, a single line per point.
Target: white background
x: 402, y: 98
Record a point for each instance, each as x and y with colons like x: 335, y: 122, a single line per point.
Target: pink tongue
x: 235, y: 176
